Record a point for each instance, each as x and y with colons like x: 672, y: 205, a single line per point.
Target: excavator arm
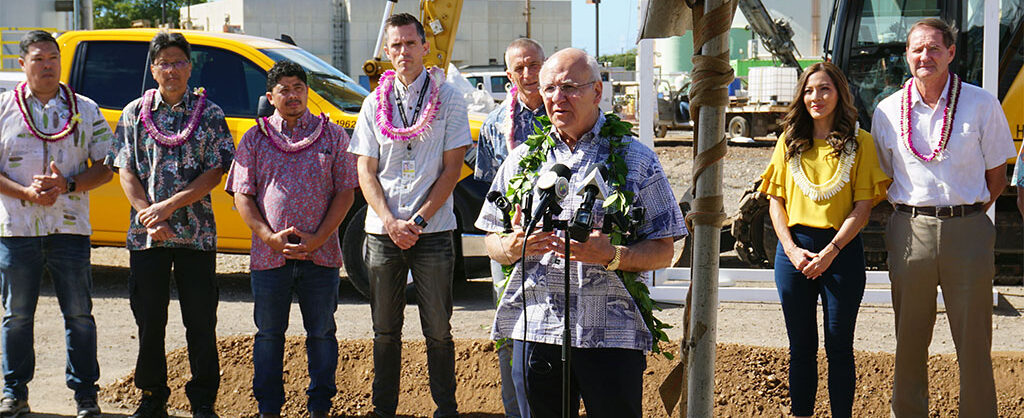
x: 440, y: 23
x: 776, y: 35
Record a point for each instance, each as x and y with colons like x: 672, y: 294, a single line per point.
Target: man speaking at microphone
x: 608, y: 334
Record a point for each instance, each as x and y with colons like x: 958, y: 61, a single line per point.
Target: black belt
x: 941, y: 211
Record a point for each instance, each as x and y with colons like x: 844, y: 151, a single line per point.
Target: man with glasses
x: 505, y: 128
x: 174, y: 146
x: 52, y: 148
x: 411, y: 137
x: 609, y: 336
x: 293, y: 156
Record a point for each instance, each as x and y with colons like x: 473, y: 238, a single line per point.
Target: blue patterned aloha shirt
x: 164, y: 171
x: 602, y: 312
x: 492, y: 149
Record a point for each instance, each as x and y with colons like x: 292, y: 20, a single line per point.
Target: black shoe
x: 151, y: 407
x: 10, y: 407
x: 87, y: 408
x: 204, y: 412
x: 318, y: 414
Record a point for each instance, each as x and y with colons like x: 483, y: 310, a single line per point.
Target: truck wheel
x: 353, y: 249
x: 661, y: 131
x: 739, y: 126
x: 755, y: 237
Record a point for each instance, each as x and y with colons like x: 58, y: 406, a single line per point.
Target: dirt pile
x: 749, y: 381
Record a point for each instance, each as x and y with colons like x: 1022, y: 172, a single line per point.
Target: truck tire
x: 353, y: 251
x: 739, y: 126
x: 755, y: 238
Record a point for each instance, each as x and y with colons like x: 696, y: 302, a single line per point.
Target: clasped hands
x: 45, y: 188
x: 597, y: 249
x: 811, y: 264
x: 301, y: 250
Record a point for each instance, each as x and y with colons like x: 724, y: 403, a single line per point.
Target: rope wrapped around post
x: 711, y: 78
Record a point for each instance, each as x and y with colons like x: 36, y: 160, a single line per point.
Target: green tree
x: 120, y: 13
x: 626, y: 59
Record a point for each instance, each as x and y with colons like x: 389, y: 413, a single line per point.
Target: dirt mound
x: 749, y: 381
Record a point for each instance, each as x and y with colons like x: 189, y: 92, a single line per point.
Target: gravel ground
x: 741, y: 323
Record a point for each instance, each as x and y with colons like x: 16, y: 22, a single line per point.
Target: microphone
x: 553, y: 186
x: 593, y: 188
x: 504, y: 206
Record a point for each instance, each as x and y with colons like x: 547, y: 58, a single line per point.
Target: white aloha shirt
x: 22, y: 156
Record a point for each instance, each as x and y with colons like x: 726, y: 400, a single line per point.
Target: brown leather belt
x: 941, y: 211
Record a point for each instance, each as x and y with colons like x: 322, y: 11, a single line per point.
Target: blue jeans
x: 22, y: 262
x: 841, y: 289
x: 508, y: 390
x: 317, y: 290
x: 432, y: 261
x: 610, y: 380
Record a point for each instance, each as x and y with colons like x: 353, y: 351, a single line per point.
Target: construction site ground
x: 751, y: 364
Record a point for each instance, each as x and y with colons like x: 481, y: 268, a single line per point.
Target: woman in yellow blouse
x: 822, y: 181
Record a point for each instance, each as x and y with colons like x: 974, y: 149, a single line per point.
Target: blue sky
x: 619, y: 24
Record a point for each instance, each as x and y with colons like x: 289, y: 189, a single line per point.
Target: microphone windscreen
x: 561, y: 170
x: 493, y: 196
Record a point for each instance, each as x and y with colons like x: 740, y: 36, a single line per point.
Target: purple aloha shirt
x: 293, y: 189
x: 602, y: 312
x: 165, y: 171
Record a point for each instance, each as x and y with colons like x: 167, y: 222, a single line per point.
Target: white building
x: 28, y: 14
x: 344, y: 32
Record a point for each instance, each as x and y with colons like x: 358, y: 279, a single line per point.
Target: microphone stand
x: 566, y: 332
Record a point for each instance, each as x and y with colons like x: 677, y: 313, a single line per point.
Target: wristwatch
x: 614, y: 264
x: 71, y: 184
x: 418, y: 220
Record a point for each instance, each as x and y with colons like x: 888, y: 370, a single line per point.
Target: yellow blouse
x: 867, y: 182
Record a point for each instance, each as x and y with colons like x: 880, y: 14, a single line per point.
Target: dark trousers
x: 841, y: 289
x: 610, y: 380
x: 316, y: 288
x: 432, y: 262
x: 194, y: 274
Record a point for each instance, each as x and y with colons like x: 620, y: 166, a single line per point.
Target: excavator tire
x: 752, y: 229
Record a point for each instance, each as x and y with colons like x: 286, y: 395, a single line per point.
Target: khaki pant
x: 957, y: 254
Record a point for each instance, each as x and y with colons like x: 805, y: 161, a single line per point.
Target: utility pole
x: 597, y: 26
x: 528, y: 15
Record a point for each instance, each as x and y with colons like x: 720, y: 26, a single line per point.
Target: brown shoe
x: 318, y: 414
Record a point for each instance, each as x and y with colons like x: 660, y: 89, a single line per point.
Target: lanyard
x: 419, y: 103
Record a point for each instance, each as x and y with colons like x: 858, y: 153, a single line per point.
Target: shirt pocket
x: 964, y: 148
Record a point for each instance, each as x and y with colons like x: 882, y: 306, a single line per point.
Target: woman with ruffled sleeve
x: 822, y: 182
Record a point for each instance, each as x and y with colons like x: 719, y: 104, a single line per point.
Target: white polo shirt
x: 980, y: 140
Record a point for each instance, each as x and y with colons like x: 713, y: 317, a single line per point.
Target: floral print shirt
x: 165, y: 171
x: 22, y: 156
x: 492, y: 149
x: 293, y: 189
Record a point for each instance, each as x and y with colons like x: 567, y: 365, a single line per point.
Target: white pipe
x: 990, y: 61
x: 646, y: 103
x: 389, y: 7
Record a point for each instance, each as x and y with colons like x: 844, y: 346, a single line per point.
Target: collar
x: 416, y: 85
x: 539, y: 111
x: 60, y: 97
x: 590, y: 136
x: 915, y: 94
x: 182, y: 105
x: 305, y: 122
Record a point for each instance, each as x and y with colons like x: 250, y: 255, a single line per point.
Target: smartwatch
x: 418, y: 220
x: 71, y: 184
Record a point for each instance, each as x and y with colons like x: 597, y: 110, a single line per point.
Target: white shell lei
x: 824, y: 191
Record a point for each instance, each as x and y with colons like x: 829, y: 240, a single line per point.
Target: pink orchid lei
x: 384, y: 114
x: 510, y: 125
x: 69, y: 126
x: 906, y: 124
x: 146, y: 114
x: 279, y: 140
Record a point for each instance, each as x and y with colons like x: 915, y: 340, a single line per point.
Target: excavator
x: 866, y: 39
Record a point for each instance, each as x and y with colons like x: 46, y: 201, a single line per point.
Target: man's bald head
x: 570, y: 82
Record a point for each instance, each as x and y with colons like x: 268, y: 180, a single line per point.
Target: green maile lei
x: 620, y: 201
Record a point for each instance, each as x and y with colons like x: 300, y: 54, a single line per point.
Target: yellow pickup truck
x: 111, y: 68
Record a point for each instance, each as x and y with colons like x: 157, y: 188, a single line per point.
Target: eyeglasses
x: 177, y: 65
x: 568, y: 89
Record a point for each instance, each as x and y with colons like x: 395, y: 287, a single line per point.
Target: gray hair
x: 595, y: 68
x: 523, y: 43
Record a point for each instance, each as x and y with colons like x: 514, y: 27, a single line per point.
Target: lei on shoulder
x: 168, y: 139
x: 619, y: 202
x: 36, y: 131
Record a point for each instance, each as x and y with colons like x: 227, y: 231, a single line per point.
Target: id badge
x: 408, y: 171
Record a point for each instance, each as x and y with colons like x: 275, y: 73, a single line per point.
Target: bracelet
x: 614, y: 264
x: 833, y: 243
